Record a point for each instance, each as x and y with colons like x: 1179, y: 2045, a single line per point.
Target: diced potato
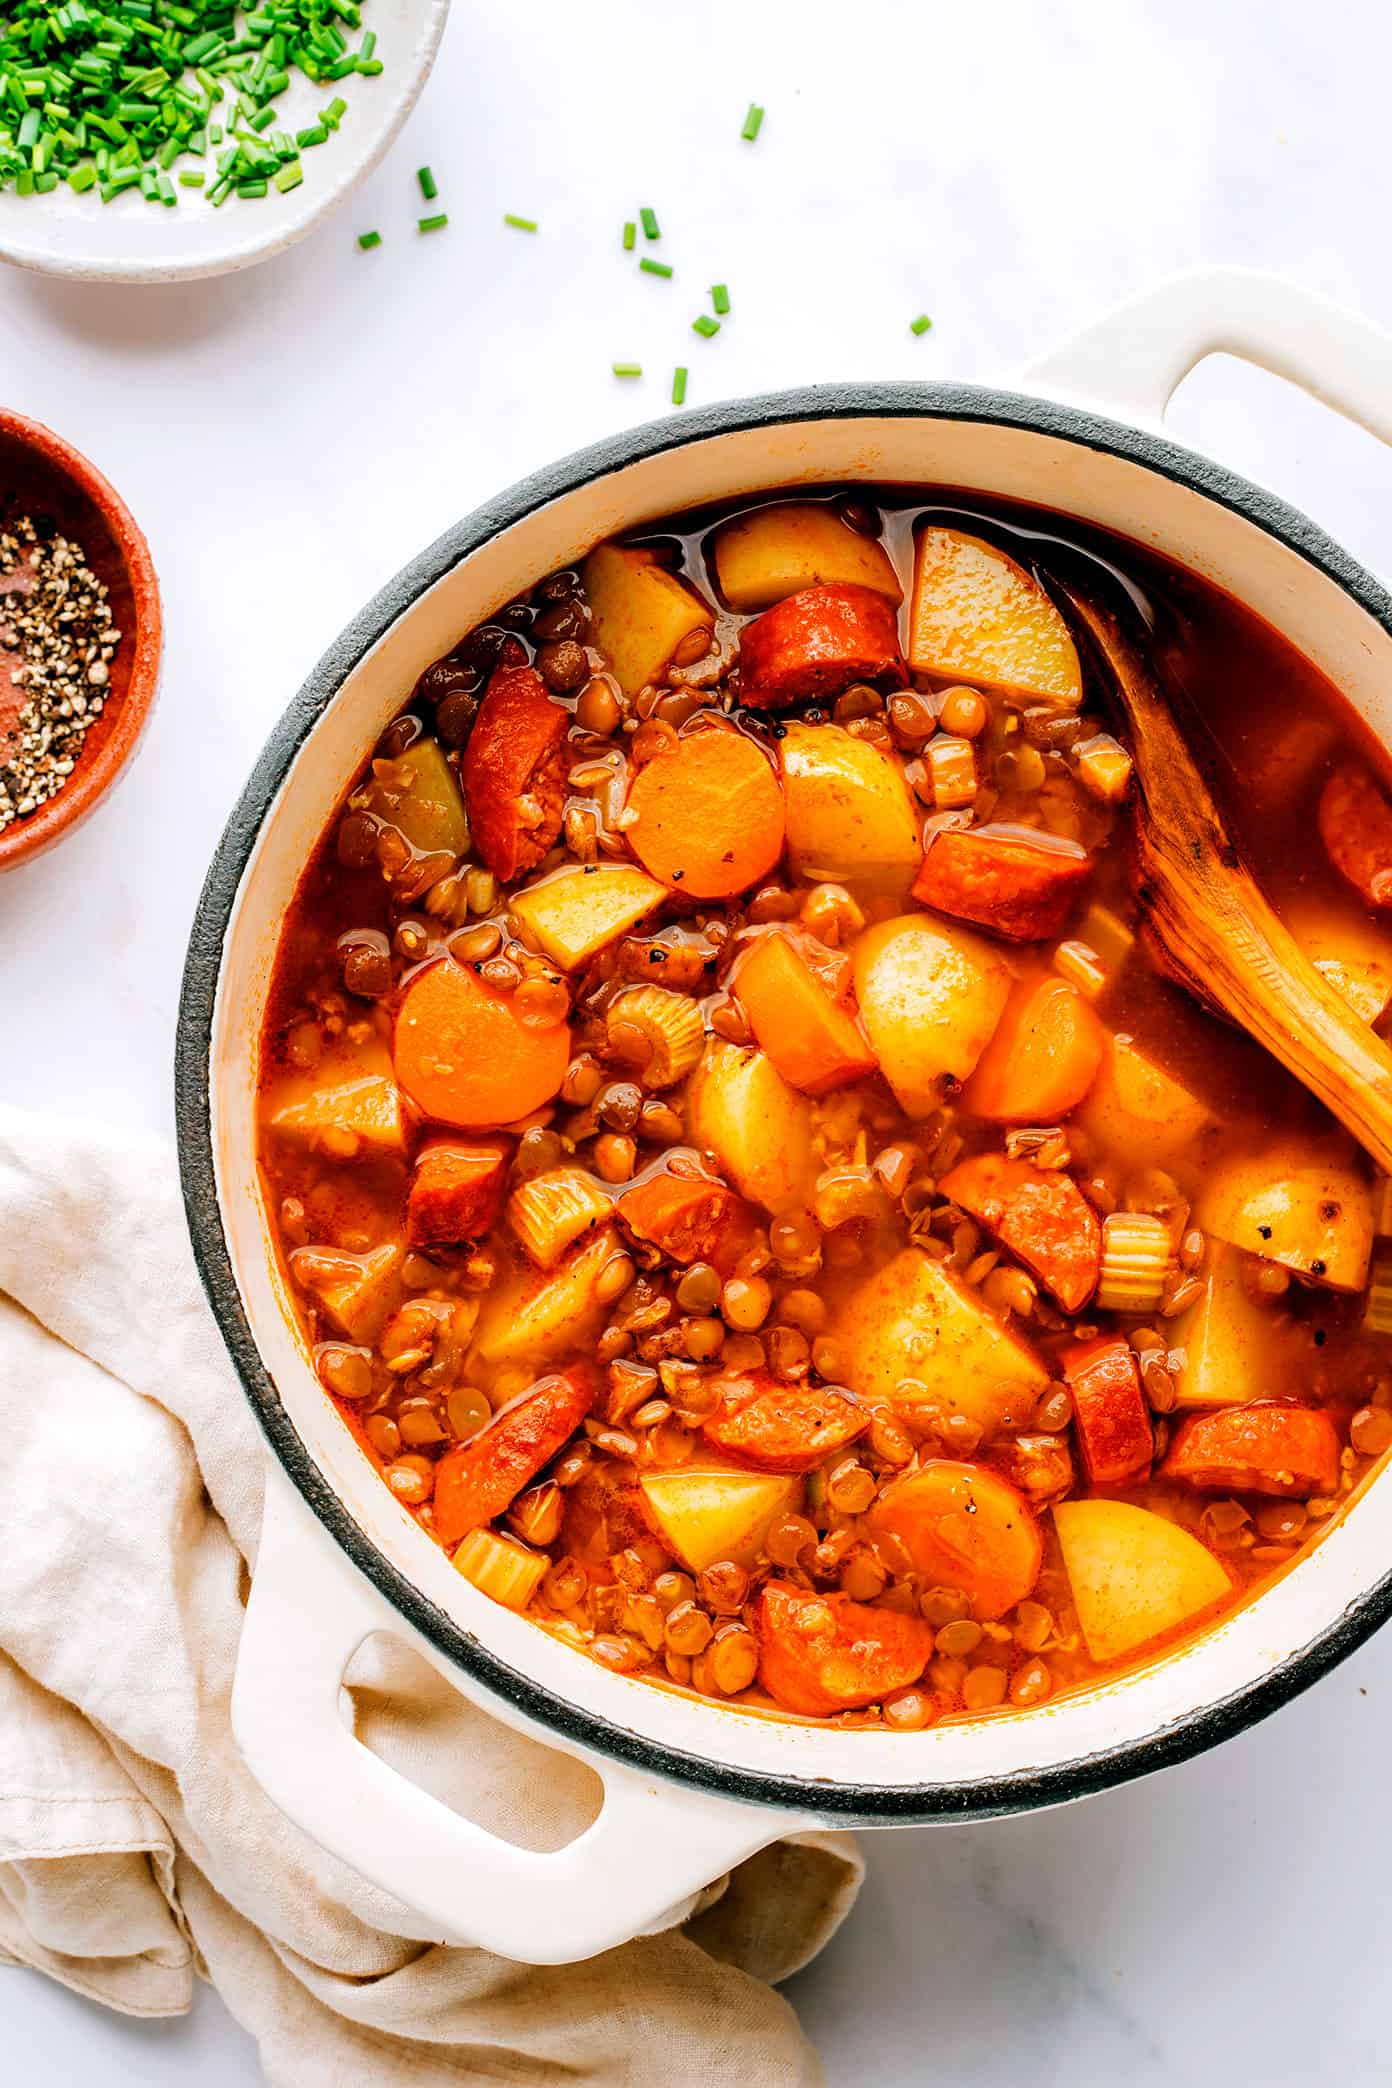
x: 978, y: 617
x: 348, y: 1108
x: 550, y: 1211
x: 1303, y: 1202
x: 1134, y: 1575
x: 355, y: 1291
x: 930, y: 996
x: 529, y: 1320
x: 1236, y: 1349
x: 1103, y: 767
x: 640, y: 611
x: 507, y: 1571
x: 740, y: 1108
x: 707, y: 1513
x: 1354, y: 953
x: 1141, y: 1115
x: 576, y: 912
x: 775, y: 551
x: 914, y: 1335
x: 427, y: 805
x: 851, y: 818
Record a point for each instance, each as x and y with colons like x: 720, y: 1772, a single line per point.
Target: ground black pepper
x: 57, y: 629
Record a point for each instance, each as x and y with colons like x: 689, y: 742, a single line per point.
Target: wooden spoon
x: 1211, y: 918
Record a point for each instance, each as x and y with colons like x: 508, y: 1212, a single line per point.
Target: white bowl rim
x: 867, y: 1803
x: 64, y: 251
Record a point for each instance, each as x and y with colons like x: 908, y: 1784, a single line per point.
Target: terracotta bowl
x: 41, y: 475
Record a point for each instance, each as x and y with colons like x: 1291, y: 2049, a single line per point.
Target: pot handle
x: 652, y: 1848
x: 1130, y: 361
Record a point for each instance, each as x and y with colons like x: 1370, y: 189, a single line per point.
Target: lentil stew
x: 744, y: 1177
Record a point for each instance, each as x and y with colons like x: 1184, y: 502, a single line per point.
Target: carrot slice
x: 1355, y: 823
x: 463, y: 1056
x: 514, y: 771
x: 1274, y: 1447
x: 708, y: 814
x: 1040, y: 1214
x: 690, y: 1218
x: 782, y: 1428
x: 963, y: 1527
x: 1010, y: 880
x: 815, y: 1045
x: 819, y: 1654
x: 1109, y: 1410
x: 456, y: 1190
x: 1042, y: 1059
x: 477, y: 1480
x: 818, y: 641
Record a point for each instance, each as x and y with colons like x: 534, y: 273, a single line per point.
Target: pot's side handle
x: 653, y: 1846
x: 1130, y: 361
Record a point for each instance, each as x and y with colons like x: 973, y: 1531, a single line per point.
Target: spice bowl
x: 44, y: 479
x: 130, y: 238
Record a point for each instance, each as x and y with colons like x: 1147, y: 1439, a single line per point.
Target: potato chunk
x: 1236, y: 1348
x: 978, y: 617
x: 1302, y: 1202
x: 930, y: 996
x: 529, y: 1320
x: 1141, y: 1114
x: 1134, y: 1576
x: 348, y: 1108
x: 577, y: 912
x: 775, y: 551
x: 740, y: 1108
x: 1354, y: 953
x: 641, y: 612
x: 355, y: 1291
x: 420, y: 797
x: 850, y: 816
x: 710, y: 1512
x: 916, y: 1337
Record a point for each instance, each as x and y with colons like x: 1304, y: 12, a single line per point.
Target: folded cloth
x: 136, y: 1851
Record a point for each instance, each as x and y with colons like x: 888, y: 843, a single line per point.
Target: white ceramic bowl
x: 691, y: 1786
x: 132, y: 241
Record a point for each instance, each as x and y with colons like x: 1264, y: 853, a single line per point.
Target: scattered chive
x: 752, y: 122
x: 657, y: 268
x: 720, y: 298
x: 627, y: 369
x: 921, y: 324
x: 705, y: 326
x: 630, y: 236
x: 519, y: 224
x: 289, y: 177
x: 679, y: 386
x: 649, y: 222
x: 368, y: 240
x: 427, y: 184
x: 432, y: 224
x: 190, y: 178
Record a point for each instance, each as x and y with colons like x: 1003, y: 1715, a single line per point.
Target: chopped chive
x: 190, y: 178
x: 705, y: 326
x: 630, y: 236
x: 649, y: 223
x: 427, y: 184
x: 657, y: 268
x: 679, y: 386
x: 519, y: 224
x: 720, y: 298
x: 921, y: 324
x: 432, y: 224
x: 752, y: 122
x: 627, y: 369
x: 289, y: 177
x: 368, y: 240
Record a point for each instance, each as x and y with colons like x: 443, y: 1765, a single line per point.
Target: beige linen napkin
x: 135, y: 1849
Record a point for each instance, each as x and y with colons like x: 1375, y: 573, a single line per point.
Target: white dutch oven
x: 691, y: 1787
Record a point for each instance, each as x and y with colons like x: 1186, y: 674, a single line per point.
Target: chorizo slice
x: 1110, y: 1415
x: 820, y: 1654
x: 1274, y: 1447
x: 1012, y: 881
x: 780, y: 1427
x: 816, y: 643
x: 456, y: 1190
x: 1040, y: 1214
x: 477, y: 1480
x: 690, y: 1218
x: 1355, y: 823
x: 515, y: 771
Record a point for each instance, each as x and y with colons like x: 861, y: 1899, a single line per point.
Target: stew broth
x: 746, y: 1181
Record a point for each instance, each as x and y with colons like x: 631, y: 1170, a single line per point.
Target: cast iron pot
x: 692, y: 1787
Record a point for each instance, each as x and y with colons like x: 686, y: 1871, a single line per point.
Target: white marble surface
x: 290, y: 436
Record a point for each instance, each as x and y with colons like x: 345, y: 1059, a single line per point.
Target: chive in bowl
x: 176, y: 232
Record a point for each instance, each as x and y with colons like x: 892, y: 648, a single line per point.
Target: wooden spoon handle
x: 1202, y: 903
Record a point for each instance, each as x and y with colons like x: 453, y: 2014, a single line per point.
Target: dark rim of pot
x: 1022, y: 1789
